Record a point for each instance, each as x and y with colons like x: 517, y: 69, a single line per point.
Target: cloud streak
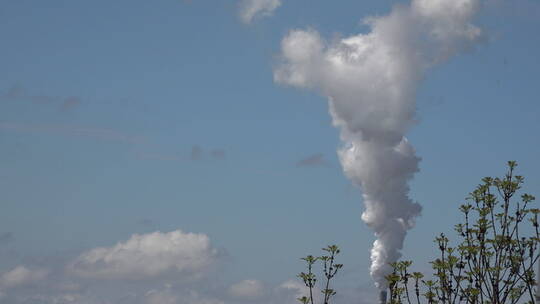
x: 6, y: 237
x: 251, y: 9
x: 17, y: 92
x: 77, y: 131
x: 315, y: 160
x: 196, y: 153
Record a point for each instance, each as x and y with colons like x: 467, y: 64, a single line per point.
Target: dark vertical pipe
x: 382, y: 297
x: 538, y: 285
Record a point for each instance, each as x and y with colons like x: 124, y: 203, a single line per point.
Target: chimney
x: 382, y: 297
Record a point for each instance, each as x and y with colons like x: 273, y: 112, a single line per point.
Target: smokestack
x: 382, y: 297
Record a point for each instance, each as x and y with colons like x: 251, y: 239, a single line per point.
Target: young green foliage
x: 330, y: 269
x: 494, y: 262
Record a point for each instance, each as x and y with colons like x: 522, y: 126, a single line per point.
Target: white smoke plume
x: 371, y: 81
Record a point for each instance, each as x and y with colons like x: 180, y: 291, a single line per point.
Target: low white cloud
x: 247, y: 289
x: 160, y: 297
x: 21, y: 275
x: 148, y: 256
x: 169, y: 296
x: 202, y: 300
x: 160, y: 260
x: 58, y: 298
x: 294, y: 286
x: 249, y: 9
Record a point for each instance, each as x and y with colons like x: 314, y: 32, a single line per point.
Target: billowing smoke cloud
x: 371, y: 81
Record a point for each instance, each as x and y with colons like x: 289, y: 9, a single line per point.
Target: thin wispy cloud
x: 251, y: 9
x: 218, y: 154
x: 70, y: 130
x: 314, y: 160
x: 19, y: 93
x: 196, y: 153
x: 6, y: 237
x: 146, y: 222
x: 7, y: 249
x: 144, y: 155
x: 70, y: 103
x: 13, y: 93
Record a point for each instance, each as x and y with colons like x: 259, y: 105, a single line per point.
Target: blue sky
x: 125, y: 117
